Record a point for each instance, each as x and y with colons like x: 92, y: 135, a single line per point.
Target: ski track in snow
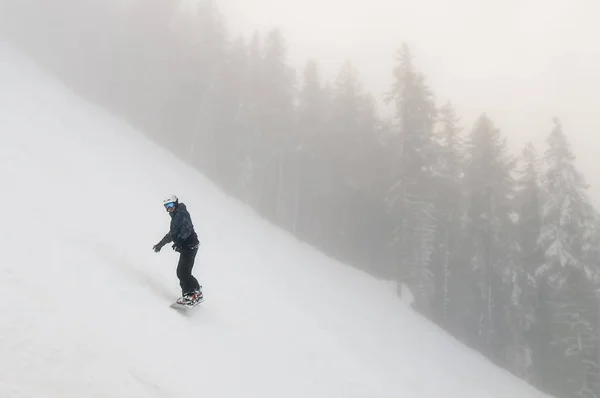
x: 84, y: 301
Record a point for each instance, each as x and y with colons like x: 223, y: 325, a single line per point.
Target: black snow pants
x: 184, y: 271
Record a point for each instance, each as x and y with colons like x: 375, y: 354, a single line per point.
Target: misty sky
x: 521, y: 61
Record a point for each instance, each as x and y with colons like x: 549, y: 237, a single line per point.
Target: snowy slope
x: 84, y: 301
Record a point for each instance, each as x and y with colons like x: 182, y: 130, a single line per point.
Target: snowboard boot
x: 191, y: 298
x: 196, y: 296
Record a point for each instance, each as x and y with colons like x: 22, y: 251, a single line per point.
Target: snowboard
x: 178, y: 306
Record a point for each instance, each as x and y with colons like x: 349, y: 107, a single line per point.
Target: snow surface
x: 84, y: 301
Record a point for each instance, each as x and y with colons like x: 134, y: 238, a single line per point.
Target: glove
x: 176, y: 247
x: 157, y: 247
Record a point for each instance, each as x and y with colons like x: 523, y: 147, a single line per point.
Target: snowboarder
x: 185, y: 242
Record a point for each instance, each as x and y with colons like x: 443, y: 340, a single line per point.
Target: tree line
x: 499, y: 249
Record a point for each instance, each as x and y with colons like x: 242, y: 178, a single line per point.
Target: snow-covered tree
x: 523, y: 348
x: 568, y: 215
x: 568, y: 306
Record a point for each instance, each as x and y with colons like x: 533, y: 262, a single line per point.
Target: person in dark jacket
x: 185, y: 242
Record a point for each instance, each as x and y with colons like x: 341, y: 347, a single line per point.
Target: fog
x: 522, y: 62
x: 503, y: 255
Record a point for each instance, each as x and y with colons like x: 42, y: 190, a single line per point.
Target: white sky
x: 522, y: 62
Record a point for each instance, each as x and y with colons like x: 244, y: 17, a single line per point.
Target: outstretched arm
x: 166, y: 239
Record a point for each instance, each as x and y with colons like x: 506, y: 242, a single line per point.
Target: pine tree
x: 489, y: 188
x: 312, y: 109
x: 250, y: 115
x: 349, y: 144
x: 351, y: 126
x: 278, y: 94
x: 528, y: 202
x: 568, y: 307
x: 449, y: 203
x: 232, y: 138
x: 270, y: 96
x: 206, y: 37
x: 178, y: 70
x: 524, y: 347
x: 314, y: 181
x: 410, y: 195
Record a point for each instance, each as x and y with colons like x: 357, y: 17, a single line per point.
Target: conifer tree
x: 270, y: 96
x: 278, y: 100
x: 489, y: 188
x: 349, y: 144
x: 231, y: 134
x: 312, y: 163
x: 524, y: 347
x: 568, y: 306
x: 410, y: 195
x: 251, y: 113
x: 449, y: 203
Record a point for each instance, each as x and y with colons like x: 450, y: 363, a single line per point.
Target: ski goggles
x: 170, y: 205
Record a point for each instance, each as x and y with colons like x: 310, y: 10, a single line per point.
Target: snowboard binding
x: 189, y: 300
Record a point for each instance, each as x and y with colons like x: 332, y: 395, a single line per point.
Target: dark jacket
x: 181, y: 232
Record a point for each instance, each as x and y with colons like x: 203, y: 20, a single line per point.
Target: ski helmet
x: 170, y: 201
